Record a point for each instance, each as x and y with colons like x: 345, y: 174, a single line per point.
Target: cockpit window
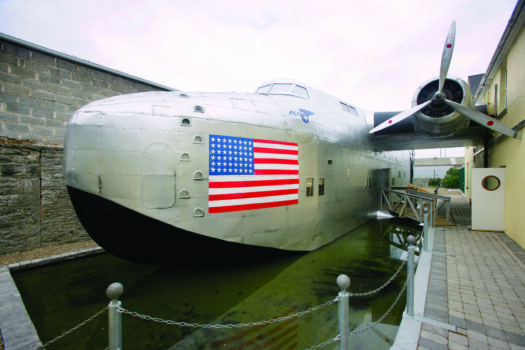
x: 284, y: 89
x: 279, y: 88
x: 300, y: 91
x: 264, y: 89
x: 349, y: 109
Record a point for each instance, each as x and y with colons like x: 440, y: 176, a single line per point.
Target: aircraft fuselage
x: 304, y: 175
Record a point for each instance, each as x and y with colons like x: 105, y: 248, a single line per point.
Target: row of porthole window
x: 310, y: 187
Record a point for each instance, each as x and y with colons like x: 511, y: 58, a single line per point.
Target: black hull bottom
x: 139, y: 238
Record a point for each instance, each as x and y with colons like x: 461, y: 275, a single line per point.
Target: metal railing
x: 411, y: 204
x: 442, y: 203
x: 115, y: 309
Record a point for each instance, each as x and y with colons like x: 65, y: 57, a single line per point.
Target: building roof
x: 513, y: 29
x: 450, y: 161
x: 45, y: 50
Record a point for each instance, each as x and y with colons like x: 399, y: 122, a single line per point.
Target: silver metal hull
x: 149, y: 154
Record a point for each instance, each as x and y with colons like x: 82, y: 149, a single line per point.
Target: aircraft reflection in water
x: 398, y: 232
x: 163, y: 174
x: 226, y: 292
x: 367, y: 255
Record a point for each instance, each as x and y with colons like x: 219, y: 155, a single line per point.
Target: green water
x: 60, y: 296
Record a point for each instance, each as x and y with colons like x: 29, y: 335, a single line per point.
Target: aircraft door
x: 158, y: 176
x: 382, y: 178
x: 488, y: 199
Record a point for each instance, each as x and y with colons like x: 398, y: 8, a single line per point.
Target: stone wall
x: 34, y: 206
x: 39, y: 90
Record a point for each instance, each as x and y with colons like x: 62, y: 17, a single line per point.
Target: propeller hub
x: 438, y: 97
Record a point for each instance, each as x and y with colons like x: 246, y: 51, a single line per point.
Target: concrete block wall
x: 39, y: 90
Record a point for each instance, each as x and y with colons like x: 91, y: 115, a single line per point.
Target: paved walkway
x: 475, y: 295
x: 17, y: 329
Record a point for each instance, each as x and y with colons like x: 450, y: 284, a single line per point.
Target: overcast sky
x: 370, y: 53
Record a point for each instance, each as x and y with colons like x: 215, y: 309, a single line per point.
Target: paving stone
x: 476, y: 327
x: 434, y: 329
x: 477, y: 345
x: 515, y: 338
x: 458, y: 339
x: 437, y: 338
x: 480, y: 337
x: 430, y: 344
x: 436, y: 314
x: 498, y: 344
x: 458, y: 322
x: 496, y: 333
x: 477, y: 284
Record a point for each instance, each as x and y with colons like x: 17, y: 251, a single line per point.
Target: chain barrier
x: 251, y: 324
x: 362, y: 330
x: 328, y: 342
x: 373, y: 324
x: 74, y: 328
x: 226, y: 326
x: 383, y: 286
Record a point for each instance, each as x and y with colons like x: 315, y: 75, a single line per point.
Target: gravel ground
x: 44, y: 252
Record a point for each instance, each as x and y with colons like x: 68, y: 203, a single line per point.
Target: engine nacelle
x: 439, y: 119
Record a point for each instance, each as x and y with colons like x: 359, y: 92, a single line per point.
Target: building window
x: 502, y: 93
x: 309, y: 187
x: 490, y: 183
x: 496, y: 100
x: 505, y: 85
x: 368, y: 183
x: 321, y: 186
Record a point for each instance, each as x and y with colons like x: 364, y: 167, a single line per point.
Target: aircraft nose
x: 127, y: 155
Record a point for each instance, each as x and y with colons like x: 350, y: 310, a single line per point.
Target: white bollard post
x: 343, y: 281
x: 114, y: 292
x: 410, y: 275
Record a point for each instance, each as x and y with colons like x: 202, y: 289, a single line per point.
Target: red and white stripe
x: 275, y: 182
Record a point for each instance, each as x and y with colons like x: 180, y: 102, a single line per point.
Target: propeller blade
x: 447, y: 55
x: 399, y: 117
x: 482, y: 119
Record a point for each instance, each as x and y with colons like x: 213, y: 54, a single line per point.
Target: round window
x: 490, y: 183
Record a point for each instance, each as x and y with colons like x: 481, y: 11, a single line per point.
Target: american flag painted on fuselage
x: 247, y: 174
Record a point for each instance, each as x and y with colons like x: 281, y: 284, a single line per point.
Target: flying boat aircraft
x: 158, y: 176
